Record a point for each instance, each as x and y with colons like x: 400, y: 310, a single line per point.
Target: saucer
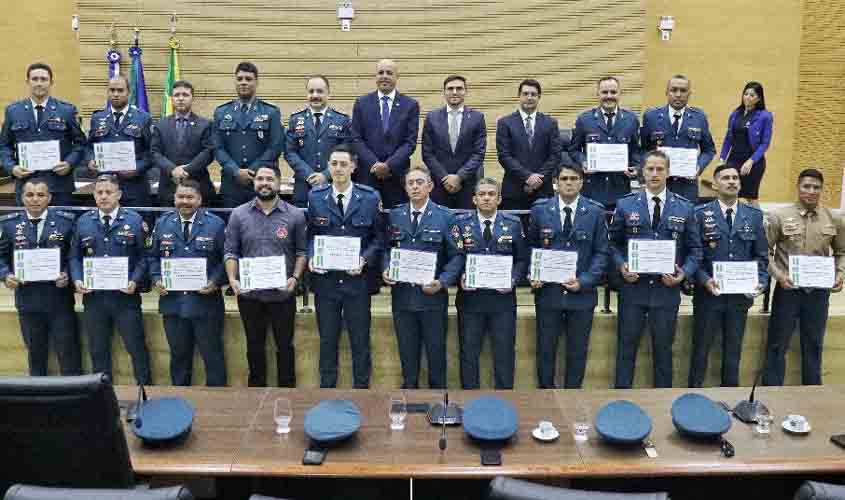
x: 551, y: 437
x: 788, y: 428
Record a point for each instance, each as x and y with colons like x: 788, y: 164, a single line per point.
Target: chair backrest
x: 814, y: 490
x: 62, y: 432
x: 565, y: 141
x: 26, y: 492
x: 503, y: 488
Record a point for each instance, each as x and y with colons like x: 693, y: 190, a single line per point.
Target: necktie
x: 529, y: 130
x: 107, y: 221
x: 180, y: 129
x: 488, y: 233
x: 39, y: 115
x: 729, y: 215
x: 416, y: 221
x: 385, y: 113
x: 244, y: 108
x: 676, y: 125
x: 454, y: 130
x: 655, y: 217
x: 317, y: 122
x: 117, y: 116
x: 340, y: 203
x: 609, y: 119
x: 567, y: 220
x: 35, y: 223
x: 186, y: 230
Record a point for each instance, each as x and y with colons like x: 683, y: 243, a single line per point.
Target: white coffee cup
x: 546, y: 428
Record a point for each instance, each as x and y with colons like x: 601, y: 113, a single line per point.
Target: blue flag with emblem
x: 137, y: 85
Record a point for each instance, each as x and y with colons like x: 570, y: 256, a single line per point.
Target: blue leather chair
x: 504, y: 488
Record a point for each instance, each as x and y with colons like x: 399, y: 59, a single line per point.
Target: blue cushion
x: 698, y: 416
x: 490, y: 419
x: 332, y: 420
x: 623, y: 422
x: 163, y: 419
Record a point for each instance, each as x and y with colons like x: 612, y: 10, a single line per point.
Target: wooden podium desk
x: 233, y: 435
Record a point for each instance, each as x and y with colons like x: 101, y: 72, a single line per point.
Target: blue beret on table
x: 332, y: 420
x: 622, y: 422
x: 489, y: 418
x: 698, y: 416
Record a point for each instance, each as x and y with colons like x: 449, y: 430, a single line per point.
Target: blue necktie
x: 385, y: 113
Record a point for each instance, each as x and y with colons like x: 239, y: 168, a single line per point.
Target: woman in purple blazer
x: 747, y: 139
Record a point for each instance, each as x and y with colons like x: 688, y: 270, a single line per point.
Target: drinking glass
x: 282, y: 414
x: 581, y: 423
x: 398, y: 410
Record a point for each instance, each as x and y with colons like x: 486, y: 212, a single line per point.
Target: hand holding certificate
x: 683, y: 162
x: 736, y: 277
x: 105, y: 273
x: 183, y: 274
x: 39, y: 155
x: 412, y: 266
x: 651, y: 256
x: 812, y: 271
x: 553, y: 266
x: 115, y: 156
x: 339, y: 253
x: 263, y: 273
x: 489, y: 271
x: 607, y: 157
x: 38, y: 264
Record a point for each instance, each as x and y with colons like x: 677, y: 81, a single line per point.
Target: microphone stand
x: 747, y: 409
x: 443, y: 442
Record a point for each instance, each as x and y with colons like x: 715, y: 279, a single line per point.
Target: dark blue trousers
x: 100, y: 319
x: 501, y: 326
x: 415, y: 329
x: 39, y: 329
x: 717, y: 315
x: 809, y: 308
x: 631, y: 324
x: 576, y: 324
x: 207, y: 334
x: 331, y: 313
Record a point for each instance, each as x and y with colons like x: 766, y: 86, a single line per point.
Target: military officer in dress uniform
x: 803, y: 228
x: 730, y: 232
x: 678, y: 125
x: 568, y: 222
x: 607, y: 124
x: 112, y: 231
x: 124, y: 123
x: 312, y: 133
x: 486, y: 231
x: 41, y: 117
x: 191, y: 317
x: 420, y: 311
x: 45, y: 308
x: 343, y: 209
x: 248, y: 135
x: 655, y: 214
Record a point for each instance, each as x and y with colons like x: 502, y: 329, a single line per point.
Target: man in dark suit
x: 454, y: 141
x: 385, y: 124
x: 183, y: 147
x: 528, y: 143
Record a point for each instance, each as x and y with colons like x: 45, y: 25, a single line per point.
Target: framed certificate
x: 263, y: 273
x: 683, y: 162
x: 184, y: 274
x: 651, y: 256
x: 115, y: 156
x: 736, y: 277
x: 105, y: 273
x: 489, y: 271
x: 412, y: 266
x: 607, y: 157
x: 812, y: 271
x: 37, y: 264
x: 553, y: 266
x: 341, y: 253
x: 39, y: 155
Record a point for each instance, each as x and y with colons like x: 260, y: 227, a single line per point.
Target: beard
x: 266, y: 195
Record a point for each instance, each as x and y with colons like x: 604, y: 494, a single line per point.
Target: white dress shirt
x: 662, y: 196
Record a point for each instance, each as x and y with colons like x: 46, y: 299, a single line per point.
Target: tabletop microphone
x: 443, y: 428
x: 748, y: 409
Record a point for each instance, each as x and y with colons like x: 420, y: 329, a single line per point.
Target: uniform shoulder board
x: 321, y: 187
x: 682, y: 198
x: 465, y: 215
x: 335, y: 110
x: 168, y: 213
x: 92, y: 213
x: 540, y: 201
x: 269, y: 105
x: 595, y: 203
x: 699, y: 208
x: 693, y: 109
x: 224, y: 104
x: 653, y: 108
x: 66, y: 215
x: 365, y: 187
x: 752, y: 207
x: 632, y: 194
x: 10, y: 216
x: 96, y: 111
x: 298, y: 111
x: 511, y: 217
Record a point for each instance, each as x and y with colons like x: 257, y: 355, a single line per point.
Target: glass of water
x: 581, y: 423
x: 764, y: 421
x: 398, y: 410
x: 282, y: 414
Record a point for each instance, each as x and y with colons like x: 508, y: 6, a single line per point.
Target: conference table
x: 233, y: 435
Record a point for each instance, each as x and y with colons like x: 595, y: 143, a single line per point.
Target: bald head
x: 387, y: 74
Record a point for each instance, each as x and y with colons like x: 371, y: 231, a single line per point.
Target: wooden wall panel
x: 566, y: 44
x: 820, y: 110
